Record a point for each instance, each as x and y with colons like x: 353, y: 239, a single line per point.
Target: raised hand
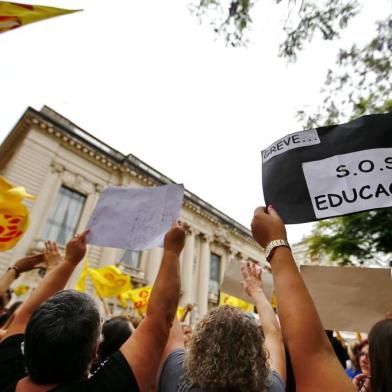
x: 252, y: 282
x: 75, y: 249
x: 267, y: 226
x: 52, y: 255
x: 175, y: 239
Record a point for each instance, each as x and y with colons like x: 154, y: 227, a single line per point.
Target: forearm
x: 266, y: 314
x: 272, y: 333
x: 166, y: 290
x: 301, y: 325
x: 6, y: 281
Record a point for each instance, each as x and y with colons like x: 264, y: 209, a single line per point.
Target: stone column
x: 154, y: 259
x: 187, y: 267
x: 204, y: 275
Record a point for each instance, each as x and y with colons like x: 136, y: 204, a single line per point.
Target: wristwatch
x: 269, y: 250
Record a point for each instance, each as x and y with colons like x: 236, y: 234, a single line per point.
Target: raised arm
x: 22, y: 265
x: 316, y: 367
x: 54, y: 281
x: 143, y: 350
x: 252, y: 284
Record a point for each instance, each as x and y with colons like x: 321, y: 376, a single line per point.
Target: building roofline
x: 64, y: 125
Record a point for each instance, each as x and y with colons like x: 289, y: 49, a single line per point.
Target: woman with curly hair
x: 228, y: 351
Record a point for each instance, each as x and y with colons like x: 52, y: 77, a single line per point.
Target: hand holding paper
x: 175, y: 239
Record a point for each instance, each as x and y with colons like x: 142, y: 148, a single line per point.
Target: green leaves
x: 360, y: 84
x: 354, y: 239
x: 231, y: 20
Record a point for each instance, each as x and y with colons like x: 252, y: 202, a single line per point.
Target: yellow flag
x: 140, y: 298
x: 21, y: 290
x: 109, y: 281
x: 180, y: 312
x: 81, y: 284
x: 226, y: 299
x: 14, y: 215
x: 13, y: 15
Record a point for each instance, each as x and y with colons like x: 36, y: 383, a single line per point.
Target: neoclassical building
x: 66, y: 168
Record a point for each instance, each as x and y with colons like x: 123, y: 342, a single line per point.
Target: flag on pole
x: 14, y: 215
x: 140, y: 298
x: 108, y: 281
x: 13, y: 15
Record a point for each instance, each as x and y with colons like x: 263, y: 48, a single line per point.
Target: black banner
x: 330, y: 171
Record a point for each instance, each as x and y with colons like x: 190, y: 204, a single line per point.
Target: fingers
x: 49, y: 247
x: 272, y: 211
x: 83, y: 236
x: 244, y: 270
x: 55, y: 248
x: 260, y: 211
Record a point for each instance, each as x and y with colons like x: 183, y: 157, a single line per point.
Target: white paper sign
x: 352, y: 182
x: 289, y: 142
x: 134, y: 218
x: 231, y: 283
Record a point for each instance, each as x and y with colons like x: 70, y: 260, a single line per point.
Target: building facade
x: 66, y: 168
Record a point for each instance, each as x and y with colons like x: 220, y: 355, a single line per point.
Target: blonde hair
x: 226, y: 353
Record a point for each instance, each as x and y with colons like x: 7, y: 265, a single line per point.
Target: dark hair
x: 60, y: 338
x: 380, y: 355
x: 115, y: 332
x: 357, y: 348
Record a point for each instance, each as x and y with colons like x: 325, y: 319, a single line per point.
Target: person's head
x: 61, y: 338
x: 115, y: 332
x: 226, y: 353
x: 4, y: 299
x: 380, y: 355
x: 186, y: 333
x: 360, y: 359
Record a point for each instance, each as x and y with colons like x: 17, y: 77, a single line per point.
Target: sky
x: 146, y: 78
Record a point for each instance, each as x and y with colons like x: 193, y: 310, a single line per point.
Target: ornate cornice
x: 106, y: 162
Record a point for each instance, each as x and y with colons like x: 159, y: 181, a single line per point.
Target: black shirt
x: 114, y: 374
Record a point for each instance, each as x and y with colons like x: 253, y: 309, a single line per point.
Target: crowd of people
x: 56, y: 340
